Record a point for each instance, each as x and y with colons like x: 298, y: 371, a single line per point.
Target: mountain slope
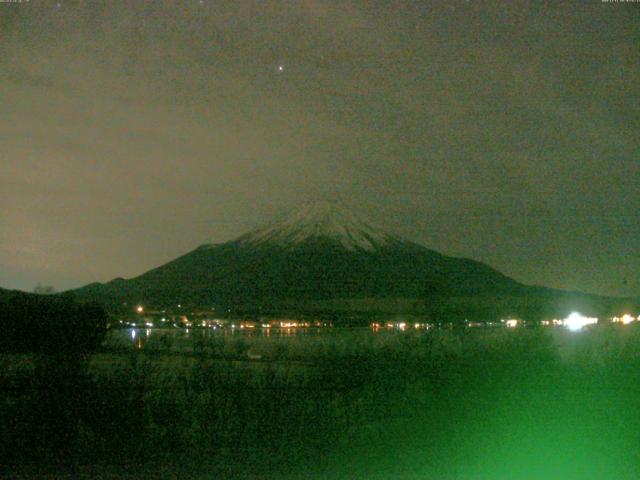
x: 317, y: 251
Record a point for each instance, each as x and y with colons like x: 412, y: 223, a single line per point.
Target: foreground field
x: 495, y: 404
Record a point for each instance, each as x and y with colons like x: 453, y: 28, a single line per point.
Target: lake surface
x: 341, y: 403
x: 188, y: 340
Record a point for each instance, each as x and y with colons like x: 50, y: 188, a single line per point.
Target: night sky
x: 132, y: 132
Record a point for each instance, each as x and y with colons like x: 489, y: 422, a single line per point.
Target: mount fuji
x: 317, y: 256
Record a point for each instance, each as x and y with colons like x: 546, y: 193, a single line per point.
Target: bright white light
x: 511, y: 323
x: 133, y: 334
x: 280, y: 68
x: 576, y: 322
x: 139, y: 309
x: 626, y: 319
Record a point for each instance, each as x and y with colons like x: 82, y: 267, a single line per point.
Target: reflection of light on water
x: 402, y: 326
x: 133, y: 334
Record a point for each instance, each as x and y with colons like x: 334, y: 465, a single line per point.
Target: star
x: 281, y: 68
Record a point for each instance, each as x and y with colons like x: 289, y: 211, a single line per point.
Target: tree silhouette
x: 44, y: 289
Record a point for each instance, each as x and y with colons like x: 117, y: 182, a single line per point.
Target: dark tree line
x: 43, y: 410
x: 49, y: 324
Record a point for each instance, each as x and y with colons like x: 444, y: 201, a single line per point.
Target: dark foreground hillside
x: 45, y: 346
x: 49, y: 324
x: 498, y: 404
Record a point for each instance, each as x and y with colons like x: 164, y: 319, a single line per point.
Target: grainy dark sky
x: 508, y: 132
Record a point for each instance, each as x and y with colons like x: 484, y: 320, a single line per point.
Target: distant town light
x: 576, y: 321
x: 626, y: 319
x: 511, y: 322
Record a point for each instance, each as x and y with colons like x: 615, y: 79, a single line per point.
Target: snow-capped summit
x: 319, y: 220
